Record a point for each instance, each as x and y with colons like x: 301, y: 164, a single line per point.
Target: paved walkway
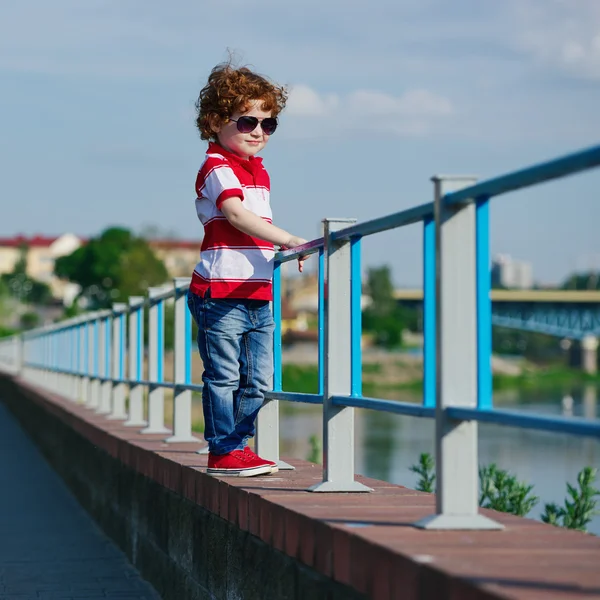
x: 50, y: 548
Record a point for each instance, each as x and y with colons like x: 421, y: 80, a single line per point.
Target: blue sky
x: 97, y: 117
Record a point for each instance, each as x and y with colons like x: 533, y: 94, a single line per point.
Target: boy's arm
x: 253, y: 225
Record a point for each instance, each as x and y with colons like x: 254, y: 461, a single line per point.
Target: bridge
x: 573, y: 315
x: 80, y: 389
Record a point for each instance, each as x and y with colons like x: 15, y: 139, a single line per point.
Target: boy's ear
x: 215, y: 123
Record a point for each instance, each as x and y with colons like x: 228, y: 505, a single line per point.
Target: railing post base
x: 182, y: 440
x: 458, y: 522
x: 136, y: 408
x: 182, y: 418
x: 118, y: 404
x: 283, y: 466
x: 340, y: 486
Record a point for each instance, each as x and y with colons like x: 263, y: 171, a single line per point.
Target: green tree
x: 4, y: 309
x: 112, y: 267
x: 384, y: 318
x: 29, y: 320
x: 582, y: 281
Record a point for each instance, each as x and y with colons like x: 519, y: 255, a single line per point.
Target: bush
x: 501, y: 491
x: 579, y: 510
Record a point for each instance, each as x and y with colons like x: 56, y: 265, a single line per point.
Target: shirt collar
x: 253, y: 162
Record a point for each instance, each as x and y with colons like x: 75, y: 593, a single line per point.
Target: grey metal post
x: 94, y: 385
x: 338, y: 421
x: 83, y: 361
x: 104, y: 407
x: 136, y: 362
x: 182, y: 398
x: 70, y: 332
x: 54, y: 353
x: 156, y: 357
x: 457, y: 469
x: 62, y: 352
x: 118, y: 362
x: 267, y: 434
x: 47, y: 378
x: 19, y: 353
x: 78, y: 393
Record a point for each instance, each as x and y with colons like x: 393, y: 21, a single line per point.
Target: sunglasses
x: 248, y: 124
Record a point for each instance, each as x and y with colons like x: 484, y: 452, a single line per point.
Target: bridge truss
x: 563, y: 320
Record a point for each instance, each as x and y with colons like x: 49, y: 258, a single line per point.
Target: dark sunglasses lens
x: 247, y: 124
x: 269, y: 125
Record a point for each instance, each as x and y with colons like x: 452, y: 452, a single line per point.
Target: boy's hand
x: 292, y: 243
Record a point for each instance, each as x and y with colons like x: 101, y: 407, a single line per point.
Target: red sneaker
x: 238, y: 464
x: 274, y: 467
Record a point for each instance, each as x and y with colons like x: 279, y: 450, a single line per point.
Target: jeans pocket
x: 194, y: 303
x: 221, y: 316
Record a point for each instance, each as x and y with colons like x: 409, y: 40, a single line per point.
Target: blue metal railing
x: 457, y: 344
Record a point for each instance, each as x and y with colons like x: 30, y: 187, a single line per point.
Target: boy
x: 231, y: 286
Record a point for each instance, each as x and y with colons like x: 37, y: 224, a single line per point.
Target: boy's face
x: 244, y: 145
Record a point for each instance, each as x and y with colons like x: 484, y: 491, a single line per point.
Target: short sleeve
x: 217, y: 181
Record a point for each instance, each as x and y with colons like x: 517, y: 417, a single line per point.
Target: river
x: 387, y: 445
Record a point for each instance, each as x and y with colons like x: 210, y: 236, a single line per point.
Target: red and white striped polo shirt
x: 232, y: 263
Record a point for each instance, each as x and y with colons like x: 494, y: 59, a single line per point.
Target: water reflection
x: 387, y: 445
x: 379, y: 443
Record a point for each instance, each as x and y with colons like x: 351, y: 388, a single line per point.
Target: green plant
x: 501, y: 491
x: 579, y: 510
x: 198, y: 425
x: 498, y: 488
x: 426, y: 472
x: 314, y: 455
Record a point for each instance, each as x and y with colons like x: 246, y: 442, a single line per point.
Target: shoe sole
x: 266, y: 470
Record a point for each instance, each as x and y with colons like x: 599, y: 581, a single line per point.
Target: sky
x: 97, y: 115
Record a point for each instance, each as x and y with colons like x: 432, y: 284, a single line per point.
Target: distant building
x: 179, y: 257
x: 511, y: 274
x: 41, y: 255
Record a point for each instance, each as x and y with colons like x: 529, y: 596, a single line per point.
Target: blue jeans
x: 235, y: 340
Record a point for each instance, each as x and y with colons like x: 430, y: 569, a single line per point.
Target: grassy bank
x: 378, y: 381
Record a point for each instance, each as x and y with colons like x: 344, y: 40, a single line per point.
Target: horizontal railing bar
x: 392, y: 406
x: 520, y: 296
x: 553, y: 169
x: 295, y: 397
x: 145, y: 382
x: 307, y: 249
x: 165, y: 295
x: 399, y: 219
x: 571, y: 425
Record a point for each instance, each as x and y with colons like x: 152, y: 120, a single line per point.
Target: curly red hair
x: 231, y: 90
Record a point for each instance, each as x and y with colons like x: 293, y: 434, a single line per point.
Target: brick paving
x: 50, y: 548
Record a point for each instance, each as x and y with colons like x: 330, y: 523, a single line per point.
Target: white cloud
x: 313, y: 114
x: 305, y: 102
x: 563, y: 34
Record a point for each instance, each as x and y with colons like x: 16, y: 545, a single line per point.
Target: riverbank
x: 399, y: 375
